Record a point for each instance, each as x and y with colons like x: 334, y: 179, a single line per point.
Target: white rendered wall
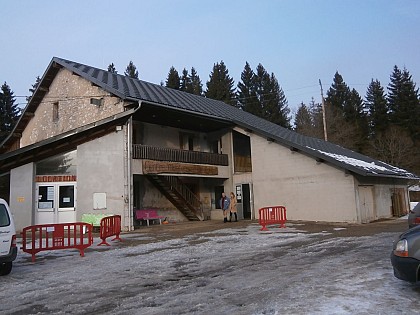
x: 309, y: 190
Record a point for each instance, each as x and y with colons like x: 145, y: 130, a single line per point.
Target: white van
x: 8, y: 249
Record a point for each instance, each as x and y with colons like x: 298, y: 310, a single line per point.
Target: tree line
x: 385, y: 126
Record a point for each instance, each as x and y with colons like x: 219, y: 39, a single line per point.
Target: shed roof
x: 131, y: 89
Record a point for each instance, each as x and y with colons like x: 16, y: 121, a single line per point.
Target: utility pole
x: 323, y: 112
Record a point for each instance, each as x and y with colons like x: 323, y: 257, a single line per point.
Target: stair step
x: 177, y: 201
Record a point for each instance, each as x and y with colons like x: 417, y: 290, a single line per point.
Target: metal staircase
x: 180, y: 196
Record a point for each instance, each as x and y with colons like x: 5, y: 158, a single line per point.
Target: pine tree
x: 338, y: 94
x: 196, y: 87
x: 185, y: 81
x: 220, y: 84
x: 376, y: 106
x: 276, y: 107
x: 263, y: 89
x: 9, y: 111
x: 345, y: 117
x: 33, y: 89
x: 304, y: 120
x: 273, y: 104
x: 246, y: 92
x: 315, y: 110
x: 355, y: 114
x: 403, y: 102
x: 172, y: 80
x: 111, y: 68
x: 131, y: 71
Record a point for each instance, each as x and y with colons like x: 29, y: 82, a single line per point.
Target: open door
x: 244, y: 197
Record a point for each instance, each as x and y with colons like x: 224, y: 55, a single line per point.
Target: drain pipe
x: 129, y: 178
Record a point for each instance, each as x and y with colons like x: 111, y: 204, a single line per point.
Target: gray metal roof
x: 137, y: 90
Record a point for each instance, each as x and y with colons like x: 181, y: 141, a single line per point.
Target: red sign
x: 55, y: 178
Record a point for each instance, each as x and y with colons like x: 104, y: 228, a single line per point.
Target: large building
x: 94, y: 142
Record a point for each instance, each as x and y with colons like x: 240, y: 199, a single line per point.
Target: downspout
x: 129, y: 179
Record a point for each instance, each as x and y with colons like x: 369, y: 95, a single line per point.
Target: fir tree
x: 345, y: 117
x: 33, y: 89
x: 220, y: 84
x: 272, y: 100
x: 9, y: 111
x: 356, y: 116
x: 172, y: 81
x: 262, y: 90
x: 246, y: 92
x: 131, y: 71
x: 196, y: 87
x: 185, y: 81
x: 403, y: 102
x: 276, y: 108
x: 304, y: 121
x: 315, y: 110
x: 376, y: 106
x: 338, y: 94
x: 111, y: 68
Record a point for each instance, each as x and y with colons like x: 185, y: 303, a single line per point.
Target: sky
x: 300, y: 41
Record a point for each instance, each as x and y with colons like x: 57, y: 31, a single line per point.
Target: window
x: 186, y: 141
x: 62, y: 164
x: 4, y: 216
x: 55, y: 111
x: 191, y: 143
x: 241, y: 152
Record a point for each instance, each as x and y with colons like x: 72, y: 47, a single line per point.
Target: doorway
x: 366, y: 204
x: 56, y: 203
x: 218, y: 195
x: 244, y: 197
x: 246, y: 201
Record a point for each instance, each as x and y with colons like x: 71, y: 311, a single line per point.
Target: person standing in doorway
x: 224, y: 204
x: 232, y: 207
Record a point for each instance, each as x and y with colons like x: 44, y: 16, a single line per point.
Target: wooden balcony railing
x: 174, y: 155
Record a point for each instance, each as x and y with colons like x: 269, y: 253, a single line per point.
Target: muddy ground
x: 219, y: 268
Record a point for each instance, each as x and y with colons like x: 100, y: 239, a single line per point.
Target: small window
x: 191, y: 143
x: 55, y: 111
x: 4, y: 216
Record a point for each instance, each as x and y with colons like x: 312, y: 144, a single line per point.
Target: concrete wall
x: 73, y: 95
x: 21, y: 195
x: 309, y: 190
x: 160, y: 136
x: 100, y: 169
x: 169, y: 137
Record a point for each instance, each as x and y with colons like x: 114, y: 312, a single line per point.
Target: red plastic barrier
x: 272, y: 215
x: 110, y: 226
x: 37, y: 238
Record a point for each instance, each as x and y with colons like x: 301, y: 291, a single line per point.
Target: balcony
x: 173, y: 155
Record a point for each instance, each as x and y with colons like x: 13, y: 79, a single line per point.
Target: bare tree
x: 394, y: 146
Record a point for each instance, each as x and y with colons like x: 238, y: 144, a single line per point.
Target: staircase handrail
x: 186, y: 193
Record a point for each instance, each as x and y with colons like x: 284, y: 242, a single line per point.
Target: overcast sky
x: 300, y: 41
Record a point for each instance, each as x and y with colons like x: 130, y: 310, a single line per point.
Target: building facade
x: 94, y: 142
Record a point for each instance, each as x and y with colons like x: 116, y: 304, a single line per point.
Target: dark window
x: 55, y: 111
x: 4, y: 216
x: 191, y: 143
x: 241, y: 152
x: 66, y: 196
